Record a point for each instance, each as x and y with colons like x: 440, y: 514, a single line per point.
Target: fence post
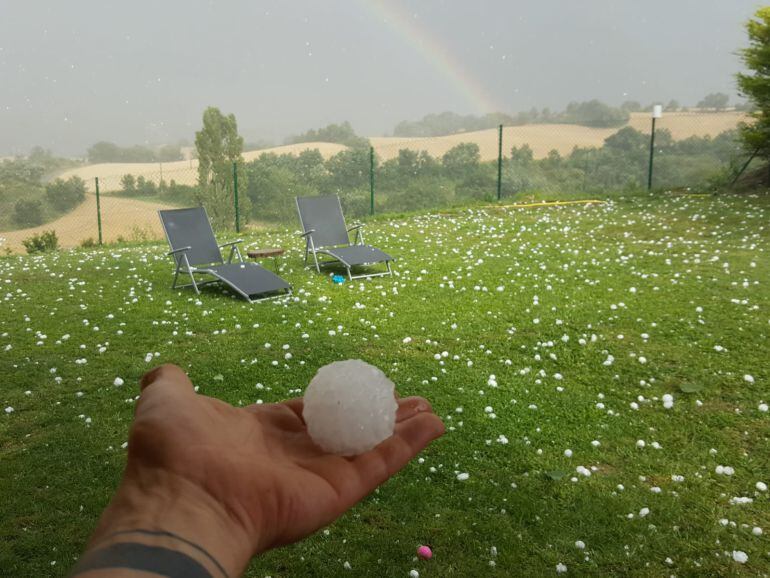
x: 235, y: 195
x: 98, y: 210
x: 500, y: 163
x: 371, y: 180
x: 652, y: 154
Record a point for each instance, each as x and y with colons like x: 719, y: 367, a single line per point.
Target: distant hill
x: 542, y: 138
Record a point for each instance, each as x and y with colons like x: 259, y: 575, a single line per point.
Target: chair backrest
x: 191, y: 228
x: 324, y: 215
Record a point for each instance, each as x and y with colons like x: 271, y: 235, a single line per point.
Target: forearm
x: 171, y: 529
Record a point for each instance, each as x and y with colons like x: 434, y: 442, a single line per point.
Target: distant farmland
x: 542, y: 138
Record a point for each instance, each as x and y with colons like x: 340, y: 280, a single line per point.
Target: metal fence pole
x: 500, y: 163
x: 235, y: 195
x: 652, y: 154
x: 98, y: 210
x: 371, y: 180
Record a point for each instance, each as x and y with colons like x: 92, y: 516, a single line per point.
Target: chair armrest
x: 306, y: 233
x: 180, y: 250
x: 354, y: 227
x: 231, y: 243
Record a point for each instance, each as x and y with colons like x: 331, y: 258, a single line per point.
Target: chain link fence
x: 691, y: 151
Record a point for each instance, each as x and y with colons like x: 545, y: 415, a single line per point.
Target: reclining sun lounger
x: 325, y: 233
x: 195, y: 251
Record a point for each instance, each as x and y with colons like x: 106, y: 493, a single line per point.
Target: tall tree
x: 218, y: 145
x: 715, y: 100
x: 756, y: 86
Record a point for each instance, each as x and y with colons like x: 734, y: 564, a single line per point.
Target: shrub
x: 88, y: 243
x: 66, y: 195
x: 45, y: 241
x: 28, y: 213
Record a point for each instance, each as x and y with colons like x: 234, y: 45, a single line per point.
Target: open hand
x: 252, y: 474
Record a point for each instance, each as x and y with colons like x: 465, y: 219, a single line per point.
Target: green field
x: 585, y: 316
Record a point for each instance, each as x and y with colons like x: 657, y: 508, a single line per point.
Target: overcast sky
x: 140, y: 72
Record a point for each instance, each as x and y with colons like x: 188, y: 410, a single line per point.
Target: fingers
x: 167, y: 376
x: 297, y: 405
x: 411, y: 406
x: 407, y: 407
x: 411, y: 436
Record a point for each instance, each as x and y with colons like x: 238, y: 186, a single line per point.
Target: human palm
x: 258, y: 463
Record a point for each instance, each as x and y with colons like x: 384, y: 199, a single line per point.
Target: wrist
x: 171, y: 512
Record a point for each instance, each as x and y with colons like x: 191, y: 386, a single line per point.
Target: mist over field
x: 75, y: 73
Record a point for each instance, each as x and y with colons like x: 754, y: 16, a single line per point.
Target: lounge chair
x: 325, y: 233
x: 195, y: 251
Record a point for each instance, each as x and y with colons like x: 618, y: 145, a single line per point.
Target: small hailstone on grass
x: 414, y: 574
x: 640, y: 443
x: 740, y: 556
x: 740, y: 500
x: 568, y: 453
x: 644, y: 512
x: 668, y: 401
x: 761, y: 486
x: 561, y: 568
x: 756, y: 530
x: 762, y: 407
x: 9, y: 409
x: 580, y: 545
x: 118, y: 382
x: 462, y: 477
x: 596, y: 443
x: 724, y: 470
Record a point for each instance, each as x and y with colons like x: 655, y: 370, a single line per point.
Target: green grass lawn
x: 585, y: 316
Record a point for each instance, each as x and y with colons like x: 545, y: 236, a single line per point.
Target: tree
x: 28, y: 213
x: 218, y: 145
x: 336, y: 133
x: 523, y: 155
x: 715, y: 101
x: 756, y: 86
x: 128, y: 182
x: 672, y: 106
x: 627, y: 139
x: 631, y: 106
x: 594, y: 113
x: 66, y: 195
x: 461, y: 159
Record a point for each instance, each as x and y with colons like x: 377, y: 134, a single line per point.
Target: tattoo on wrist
x: 160, y: 560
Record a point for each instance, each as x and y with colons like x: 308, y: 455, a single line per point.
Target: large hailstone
x: 350, y: 407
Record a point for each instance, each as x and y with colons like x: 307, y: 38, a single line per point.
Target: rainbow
x: 393, y: 14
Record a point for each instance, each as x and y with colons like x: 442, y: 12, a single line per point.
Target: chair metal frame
x: 310, y: 247
x: 191, y: 269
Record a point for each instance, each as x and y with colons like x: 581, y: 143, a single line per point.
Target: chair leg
x: 350, y: 276
x: 317, y: 266
x: 194, y: 284
x: 390, y: 271
x: 176, y: 276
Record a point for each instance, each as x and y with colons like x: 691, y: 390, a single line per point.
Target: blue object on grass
x: 338, y: 279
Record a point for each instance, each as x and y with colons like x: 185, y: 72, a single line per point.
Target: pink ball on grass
x: 424, y: 552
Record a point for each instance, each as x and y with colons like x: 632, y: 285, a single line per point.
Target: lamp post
x: 657, y: 112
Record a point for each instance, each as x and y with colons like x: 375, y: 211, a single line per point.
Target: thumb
x: 167, y: 376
